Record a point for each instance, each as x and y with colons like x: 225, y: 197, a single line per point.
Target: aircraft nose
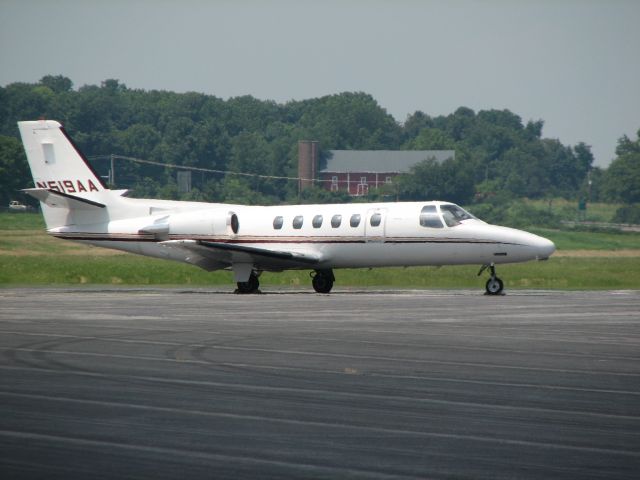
x: 545, y: 248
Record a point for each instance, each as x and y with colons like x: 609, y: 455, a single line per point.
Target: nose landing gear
x: 494, y: 285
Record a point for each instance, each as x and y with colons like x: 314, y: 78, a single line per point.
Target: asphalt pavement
x: 200, y: 383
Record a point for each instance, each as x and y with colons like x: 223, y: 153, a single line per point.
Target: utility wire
x: 206, y: 170
x: 211, y: 170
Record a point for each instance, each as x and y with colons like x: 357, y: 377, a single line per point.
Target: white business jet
x: 249, y: 240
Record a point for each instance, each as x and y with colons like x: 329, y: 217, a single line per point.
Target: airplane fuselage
x: 342, y: 235
x: 247, y: 239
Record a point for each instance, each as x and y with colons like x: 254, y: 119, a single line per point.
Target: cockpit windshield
x: 453, y: 215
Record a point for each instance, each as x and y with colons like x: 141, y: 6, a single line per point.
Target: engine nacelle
x: 220, y: 222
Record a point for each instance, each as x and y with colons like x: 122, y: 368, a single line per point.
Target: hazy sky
x: 574, y: 64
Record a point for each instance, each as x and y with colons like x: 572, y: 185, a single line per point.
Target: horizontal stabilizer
x: 56, y: 199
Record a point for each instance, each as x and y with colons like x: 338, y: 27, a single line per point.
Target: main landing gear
x: 494, y: 285
x: 322, y: 280
x: 251, y: 285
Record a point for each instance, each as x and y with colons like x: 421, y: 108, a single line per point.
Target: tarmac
x: 372, y: 384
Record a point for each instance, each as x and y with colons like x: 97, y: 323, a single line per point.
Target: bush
x: 628, y: 214
x: 514, y: 213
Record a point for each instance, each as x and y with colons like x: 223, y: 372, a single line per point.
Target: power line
x: 211, y: 170
x: 206, y: 170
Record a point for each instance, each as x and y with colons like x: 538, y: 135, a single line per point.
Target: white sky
x: 574, y: 64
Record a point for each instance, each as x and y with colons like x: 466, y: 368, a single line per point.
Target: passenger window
x: 429, y: 217
x: 278, y: 222
x: 317, y: 221
x: 297, y: 222
x: 336, y: 220
x: 355, y: 220
x: 375, y: 219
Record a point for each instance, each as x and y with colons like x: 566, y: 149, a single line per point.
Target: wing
x: 217, y: 255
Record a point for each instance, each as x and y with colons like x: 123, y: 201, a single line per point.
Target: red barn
x: 356, y: 171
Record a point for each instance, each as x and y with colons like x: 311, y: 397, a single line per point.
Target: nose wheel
x: 494, y: 285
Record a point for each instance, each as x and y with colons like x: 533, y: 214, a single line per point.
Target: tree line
x: 497, y: 154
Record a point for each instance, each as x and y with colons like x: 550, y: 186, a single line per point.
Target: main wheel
x: 250, y: 286
x: 494, y: 286
x: 322, y: 283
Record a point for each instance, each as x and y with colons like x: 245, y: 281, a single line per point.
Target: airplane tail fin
x: 65, y: 183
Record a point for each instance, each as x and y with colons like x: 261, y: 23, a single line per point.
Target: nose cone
x: 544, y: 248
x: 535, y: 246
x: 516, y: 245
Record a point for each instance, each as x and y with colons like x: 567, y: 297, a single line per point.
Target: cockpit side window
x: 453, y: 215
x: 429, y: 217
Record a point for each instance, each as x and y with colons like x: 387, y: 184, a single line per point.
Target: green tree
x: 430, y: 180
x: 564, y: 173
x: 238, y: 190
x: 534, y: 129
x: 460, y: 123
x: 14, y: 174
x: 431, y: 139
x: 249, y: 135
x: 57, y: 83
x: 524, y: 175
x: 622, y: 178
x: 626, y: 145
x: 251, y: 153
x: 584, y: 158
x: 349, y: 121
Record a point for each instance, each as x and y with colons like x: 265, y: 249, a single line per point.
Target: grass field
x: 30, y: 257
x: 21, y: 221
x: 575, y: 240
x: 568, y: 210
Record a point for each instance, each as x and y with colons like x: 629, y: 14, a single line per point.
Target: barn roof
x: 383, y: 161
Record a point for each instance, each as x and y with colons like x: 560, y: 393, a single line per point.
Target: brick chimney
x: 307, y: 163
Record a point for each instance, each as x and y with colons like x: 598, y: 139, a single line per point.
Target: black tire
x: 494, y: 286
x: 250, y: 286
x: 322, y: 283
